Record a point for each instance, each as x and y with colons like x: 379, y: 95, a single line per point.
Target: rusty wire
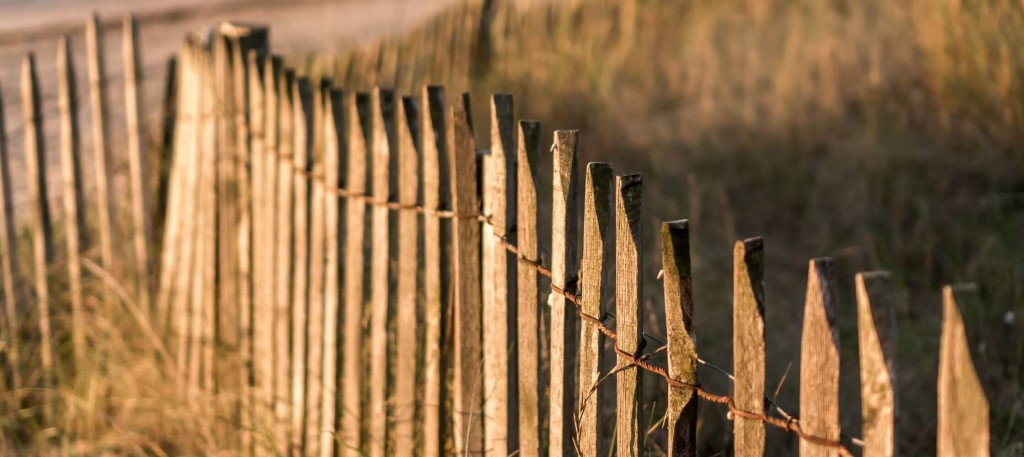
x: 568, y: 291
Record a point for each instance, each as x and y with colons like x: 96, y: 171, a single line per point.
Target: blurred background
x: 887, y: 135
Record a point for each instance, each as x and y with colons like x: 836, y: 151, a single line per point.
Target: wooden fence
x: 361, y: 278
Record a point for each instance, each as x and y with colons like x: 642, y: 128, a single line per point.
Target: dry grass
x: 885, y: 134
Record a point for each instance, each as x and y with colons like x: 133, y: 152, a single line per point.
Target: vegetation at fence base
x: 885, y: 134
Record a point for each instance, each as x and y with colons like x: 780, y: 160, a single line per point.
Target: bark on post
x: 598, y: 264
x: 563, y: 269
x: 529, y: 303
x: 628, y: 324
x: 876, y: 330
x: 748, y: 344
x: 819, y: 360
x: 468, y: 397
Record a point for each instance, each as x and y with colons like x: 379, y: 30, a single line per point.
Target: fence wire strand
x: 569, y: 292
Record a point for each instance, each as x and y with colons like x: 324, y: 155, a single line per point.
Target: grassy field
x: 886, y: 135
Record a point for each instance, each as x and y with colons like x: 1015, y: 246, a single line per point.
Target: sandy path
x: 36, y: 25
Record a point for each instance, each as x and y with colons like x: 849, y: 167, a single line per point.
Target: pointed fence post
x: 283, y: 260
x: 467, y: 387
x: 42, y: 243
x: 335, y: 154
x: 819, y: 360
x: 137, y: 160
x: 682, y: 353
x: 563, y: 321
x: 628, y: 324
x: 499, y: 319
x: 72, y: 195
x: 529, y: 303
x: 101, y: 156
x: 407, y: 307
x: 963, y: 427
x: 436, y: 267
x: 355, y: 263
x: 748, y: 344
x: 876, y: 330
x: 598, y: 263
x: 9, y: 262
x: 382, y: 108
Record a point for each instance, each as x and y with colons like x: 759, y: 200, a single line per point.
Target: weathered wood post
x: 42, y: 243
x: 436, y: 267
x: 101, y: 156
x: 499, y: 318
x: 406, y: 309
x: 682, y: 353
x: 137, y: 160
x: 598, y: 263
x: 563, y: 320
x: 819, y: 360
x: 71, y: 175
x: 335, y: 154
x: 302, y: 166
x: 382, y: 106
x: 9, y: 261
x: 283, y: 260
x: 355, y: 218
x: 628, y: 325
x: 466, y: 389
x: 963, y: 427
x: 876, y: 330
x: 748, y: 344
x: 529, y: 310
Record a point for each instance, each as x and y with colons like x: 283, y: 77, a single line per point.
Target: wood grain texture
x: 748, y: 344
x: 166, y: 318
x: 628, y: 324
x: 819, y: 359
x: 9, y: 265
x: 302, y: 161
x: 382, y: 142
x: 681, y: 415
x: 355, y: 265
x: 72, y: 192
x: 467, y: 386
x: 105, y: 227
x: 436, y: 265
x: 528, y: 297
x: 406, y: 307
x: 876, y: 331
x: 498, y: 294
x: 564, y: 219
x: 963, y: 424
x: 317, y: 281
x: 334, y: 176
x: 39, y: 221
x: 137, y: 163
x: 598, y: 266
x: 283, y: 263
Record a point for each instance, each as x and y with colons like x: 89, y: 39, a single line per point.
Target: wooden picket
x: 262, y: 267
